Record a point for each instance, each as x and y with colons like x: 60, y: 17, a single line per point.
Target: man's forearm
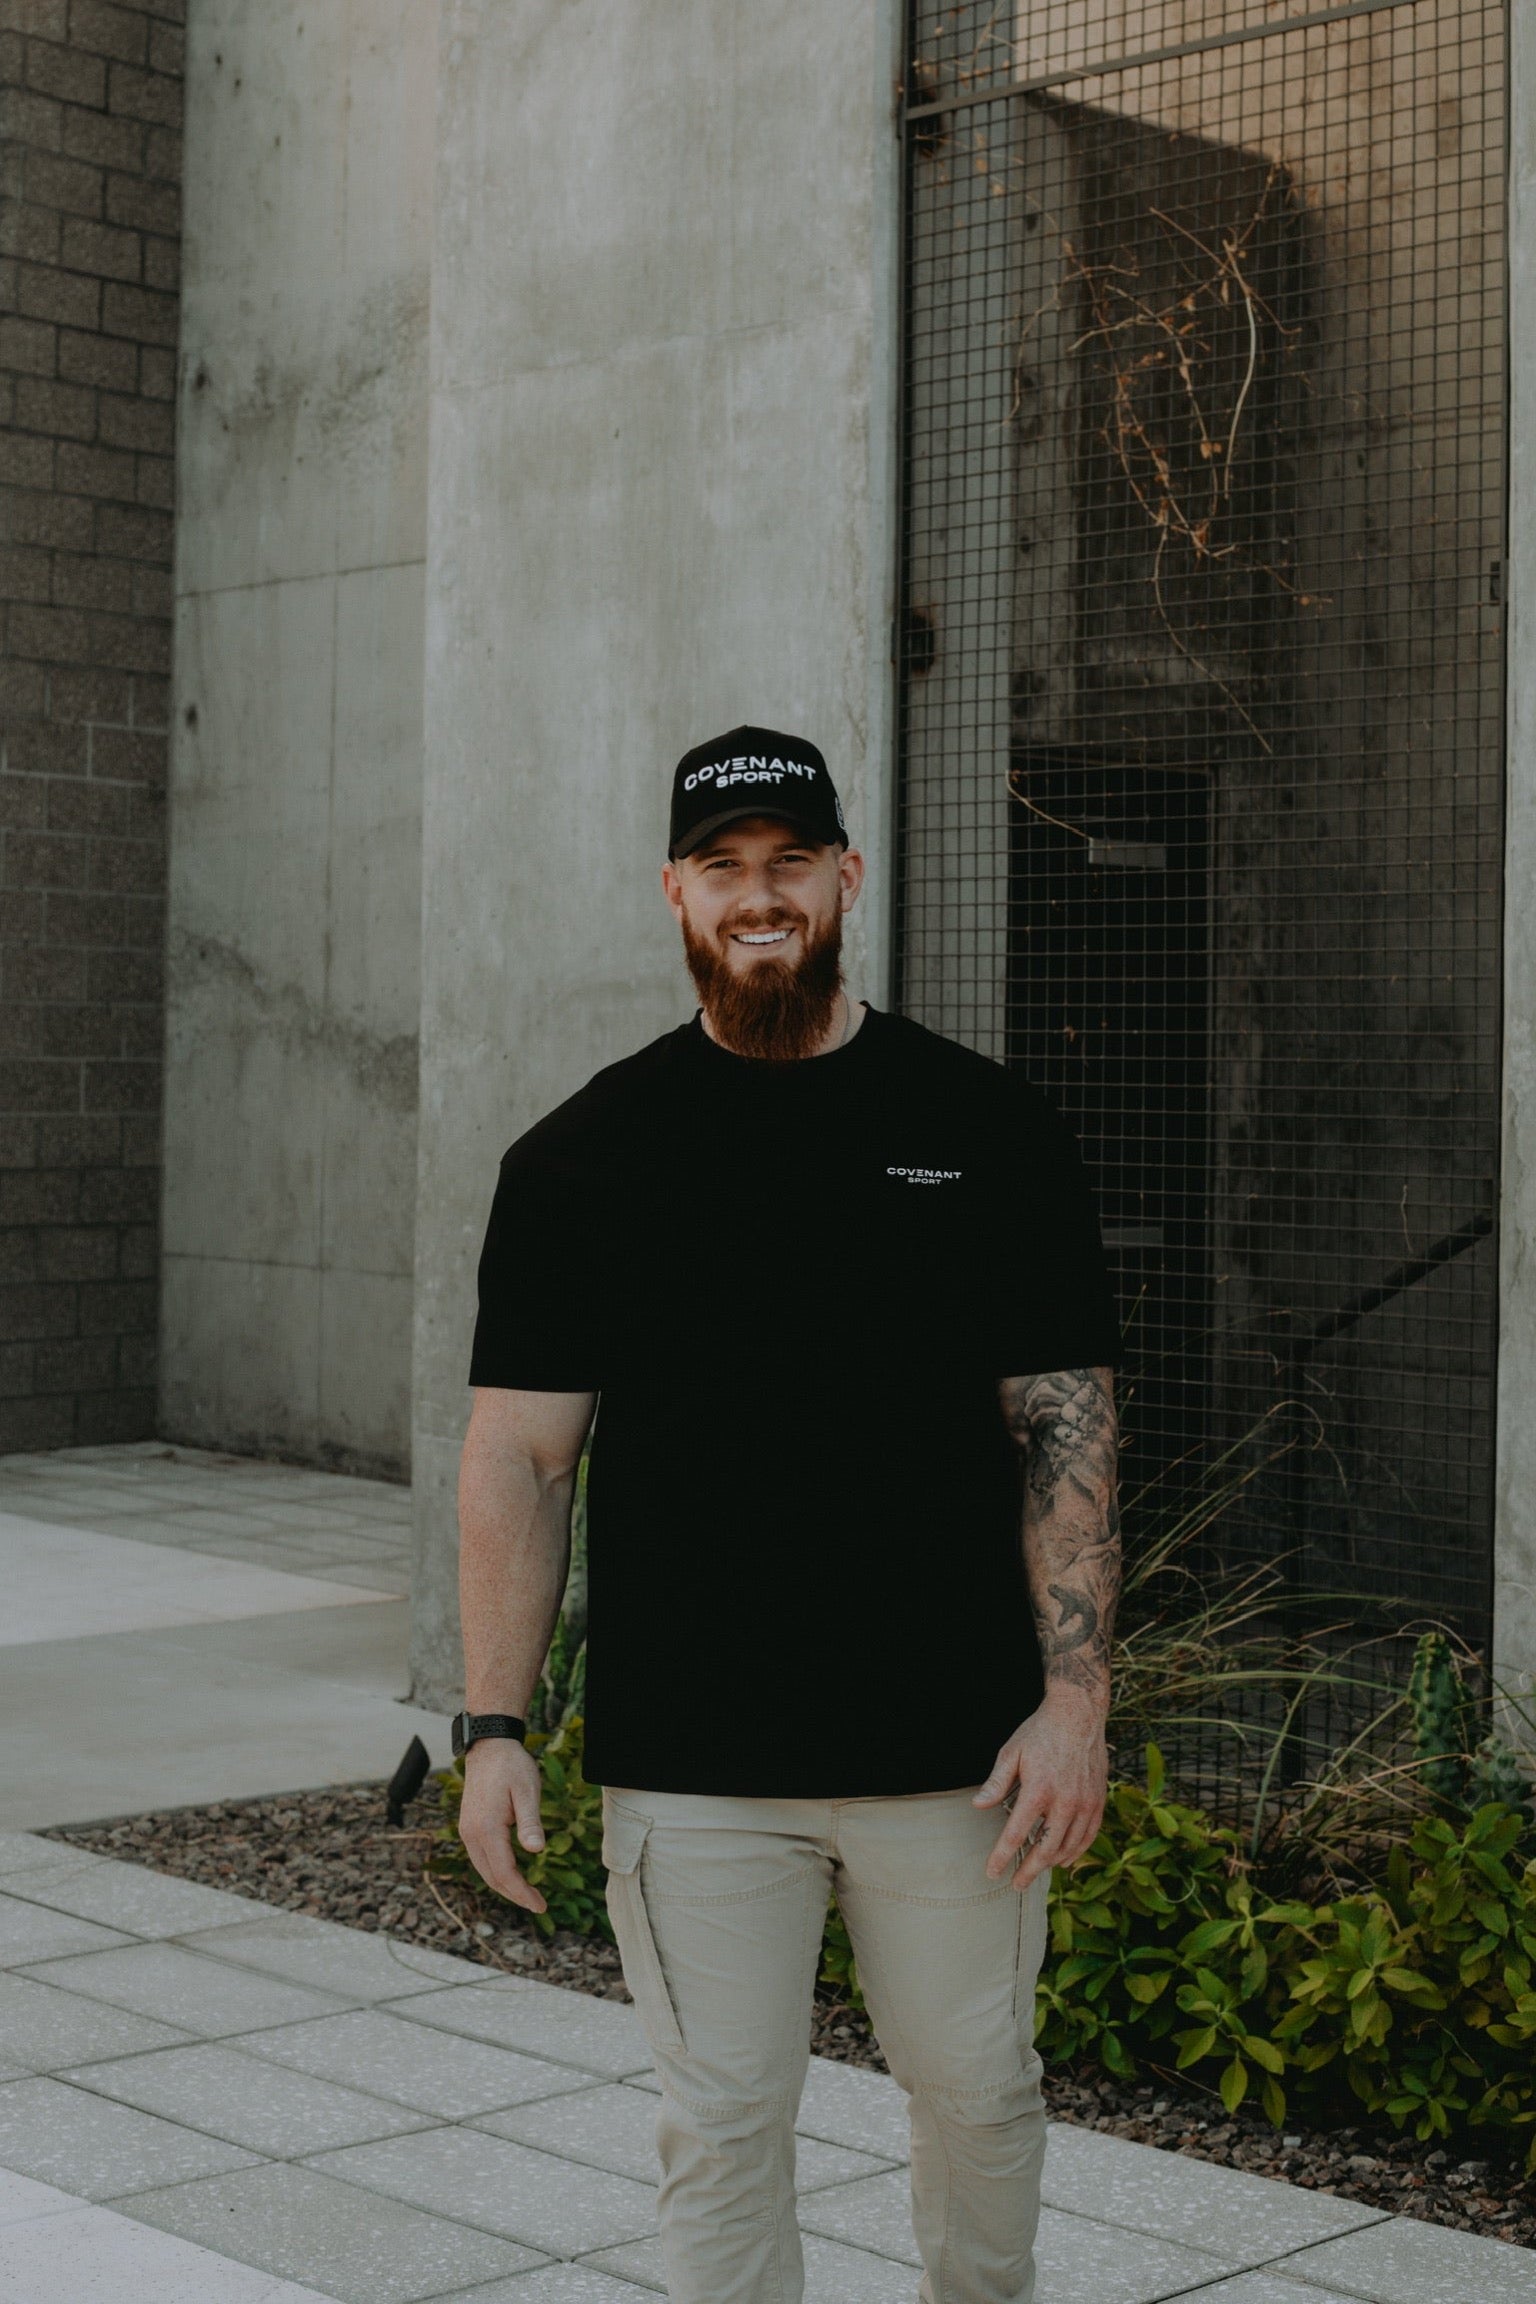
x: 514, y: 1550
x: 1066, y: 1424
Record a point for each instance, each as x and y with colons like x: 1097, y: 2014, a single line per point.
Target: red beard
x: 775, y: 1011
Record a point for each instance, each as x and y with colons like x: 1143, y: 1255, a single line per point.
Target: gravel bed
x: 332, y: 1854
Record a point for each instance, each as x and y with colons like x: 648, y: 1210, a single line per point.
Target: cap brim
x: 699, y: 833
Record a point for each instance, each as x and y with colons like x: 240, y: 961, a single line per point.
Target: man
x: 837, y: 1281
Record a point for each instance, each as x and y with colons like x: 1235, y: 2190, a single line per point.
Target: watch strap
x: 472, y: 1727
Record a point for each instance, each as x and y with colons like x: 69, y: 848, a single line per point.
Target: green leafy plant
x: 561, y: 1692
x: 839, y: 1970
x: 1160, y: 1947
x: 1417, y: 1999
x: 1420, y: 1997
x: 568, y: 1869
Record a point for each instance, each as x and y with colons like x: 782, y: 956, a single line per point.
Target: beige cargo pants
x: 718, y: 1905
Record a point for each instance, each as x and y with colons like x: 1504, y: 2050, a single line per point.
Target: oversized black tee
x: 794, y: 1287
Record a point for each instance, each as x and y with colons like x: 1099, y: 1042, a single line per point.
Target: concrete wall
x: 663, y: 399
x: 1515, y: 1554
x: 293, y: 949
x: 90, y: 168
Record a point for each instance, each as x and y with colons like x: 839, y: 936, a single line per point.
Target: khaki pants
x: 718, y: 1905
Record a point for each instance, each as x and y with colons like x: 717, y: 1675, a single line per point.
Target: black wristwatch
x: 469, y: 1727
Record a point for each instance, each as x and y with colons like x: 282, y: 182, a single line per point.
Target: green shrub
x: 568, y: 1869
x: 1419, y: 1998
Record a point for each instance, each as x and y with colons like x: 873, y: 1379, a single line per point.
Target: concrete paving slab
x: 356, y: 1963
x: 1083, y: 2262
x: 1242, y: 2219
x: 1403, y: 2261
x: 410, y: 2064
x: 96, y: 2256
x: 45, y: 2029
x: 33, y: 1932
x: 208, y: 1521
x: 874, y: 2213
x: 22, y: 2197
x: 82, y: 2143
x: 132, y: 1898
x: 614, y: 2127
x: 601, y: 2036
x: 1266, y: 2288
x: 212, y: 1997
x: 29, y: 1852
x: 556, y: 2284
x: 833, y: 2274
x: 532, y: 2197
x: 306, y: 1515
x: 388, y: 1580
x: 866, y: 2110
x: 266, y: 2107
x: 67, y: 1582
x: 362, y: 1648
x: 359, y: 2247
x: 261, y: 1547
x: 278, y: 1713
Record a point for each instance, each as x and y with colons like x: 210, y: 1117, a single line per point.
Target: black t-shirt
x: 795, y: 1287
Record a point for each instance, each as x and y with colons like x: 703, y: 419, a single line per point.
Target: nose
x: 759, y: 905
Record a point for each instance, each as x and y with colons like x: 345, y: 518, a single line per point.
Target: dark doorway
x: 1109, y: 956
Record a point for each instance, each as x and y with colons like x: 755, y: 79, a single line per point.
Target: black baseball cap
x: 753, y: 772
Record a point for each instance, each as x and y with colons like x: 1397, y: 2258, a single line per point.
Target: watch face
x: 460, y: 1721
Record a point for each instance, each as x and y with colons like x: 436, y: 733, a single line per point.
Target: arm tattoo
x: 1065, y: 1423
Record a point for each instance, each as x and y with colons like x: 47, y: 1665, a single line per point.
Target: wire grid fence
x: 1201, y: 670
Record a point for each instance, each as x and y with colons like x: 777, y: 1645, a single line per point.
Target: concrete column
x: 1515, y: 1524
x: 290, y: 1157
x: 661, y: 502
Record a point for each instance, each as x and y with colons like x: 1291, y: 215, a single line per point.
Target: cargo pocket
x: 624, y: 1837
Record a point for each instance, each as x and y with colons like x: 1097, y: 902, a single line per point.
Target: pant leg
x: 718, y: 1907
x: 948, y: 1961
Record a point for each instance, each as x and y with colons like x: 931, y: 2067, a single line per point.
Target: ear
x: 850, y: 878
x: 672, y: 888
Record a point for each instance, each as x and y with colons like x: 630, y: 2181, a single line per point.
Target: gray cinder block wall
x: 90, y: 169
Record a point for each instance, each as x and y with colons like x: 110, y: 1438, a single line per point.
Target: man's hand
x: 501, y: 1790
x: 1060, y: 1765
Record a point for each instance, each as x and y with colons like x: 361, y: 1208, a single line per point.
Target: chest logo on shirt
x: 927, y: 1175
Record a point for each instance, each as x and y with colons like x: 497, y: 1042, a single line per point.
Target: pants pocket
x: 624, y: 1837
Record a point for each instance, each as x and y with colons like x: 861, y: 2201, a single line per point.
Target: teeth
x: 773, y: 936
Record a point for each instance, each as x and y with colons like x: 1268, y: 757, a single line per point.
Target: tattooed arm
x: 1065, y: 1423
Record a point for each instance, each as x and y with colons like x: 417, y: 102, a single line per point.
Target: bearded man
x: 853, y: 1544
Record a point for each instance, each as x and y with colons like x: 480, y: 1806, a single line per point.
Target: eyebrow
x: 784, y: 847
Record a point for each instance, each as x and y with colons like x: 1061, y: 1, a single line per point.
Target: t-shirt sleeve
x: 1057, y: 1303
x: 534, y: 1330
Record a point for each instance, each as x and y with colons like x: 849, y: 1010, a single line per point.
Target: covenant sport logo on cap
x: 753, y: 772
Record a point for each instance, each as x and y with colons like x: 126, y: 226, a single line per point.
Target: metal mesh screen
x: 1202, y: 708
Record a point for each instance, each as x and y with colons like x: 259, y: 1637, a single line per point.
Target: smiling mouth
x: 761, y: 936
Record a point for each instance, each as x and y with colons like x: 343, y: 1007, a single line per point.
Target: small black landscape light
x: 407, y: 1779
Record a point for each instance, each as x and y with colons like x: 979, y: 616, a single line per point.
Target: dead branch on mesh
x: 1138, y: 337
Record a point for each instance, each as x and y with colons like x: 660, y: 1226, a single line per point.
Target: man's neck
x: 847, y: 1016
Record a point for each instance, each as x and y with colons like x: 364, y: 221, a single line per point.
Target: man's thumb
x: 525, y: 1806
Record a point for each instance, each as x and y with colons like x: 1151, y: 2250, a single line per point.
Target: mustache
x: 774, y: 916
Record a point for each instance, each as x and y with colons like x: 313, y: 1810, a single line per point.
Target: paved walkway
x: 203, y: 2101
x: 180, y: 1626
